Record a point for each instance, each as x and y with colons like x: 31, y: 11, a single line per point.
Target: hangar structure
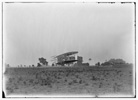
x: 68, y: 59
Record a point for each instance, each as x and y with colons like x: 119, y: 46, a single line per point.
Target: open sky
x: 97, y: 31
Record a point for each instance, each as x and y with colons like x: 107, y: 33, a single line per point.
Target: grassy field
x: 65, y: 81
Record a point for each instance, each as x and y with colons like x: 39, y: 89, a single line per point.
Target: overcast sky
x: 96, y: 31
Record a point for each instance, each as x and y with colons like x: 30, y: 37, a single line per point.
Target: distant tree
x: 38, y: 64
x: 32, y: 65
x: 43, y: 61
x: 106, y: 64
x: 97, y: 64
x: 52, y: 64
x: 117, y: 61
x: 113, y: 62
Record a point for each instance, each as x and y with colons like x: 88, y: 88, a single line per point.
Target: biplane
x: 66, y: 58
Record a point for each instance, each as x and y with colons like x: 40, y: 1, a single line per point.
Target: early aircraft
x: 66, y: 58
